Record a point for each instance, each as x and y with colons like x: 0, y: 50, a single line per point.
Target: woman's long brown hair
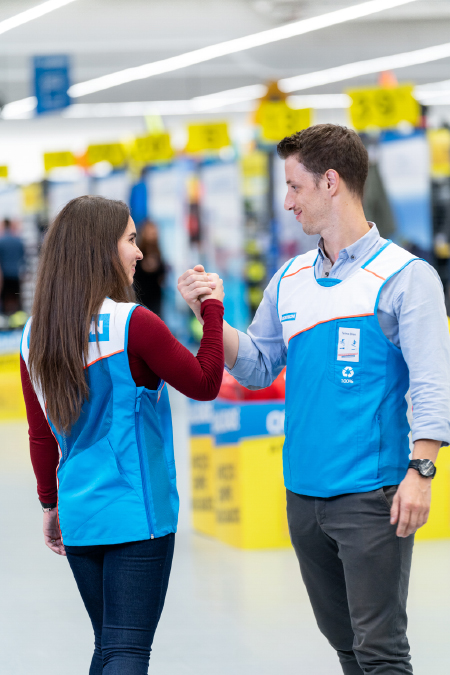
x: 79, y: 267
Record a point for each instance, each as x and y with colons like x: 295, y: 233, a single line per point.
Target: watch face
x: 426, y: 467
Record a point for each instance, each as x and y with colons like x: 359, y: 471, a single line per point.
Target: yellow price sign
x: 55, y: 160
x: 278, y: 120
x: 114, y: 153
x: 153, y: 148
x: 383, y: 108
x: 212, y: 136
x: 439, y: 140
x: 3, y: 172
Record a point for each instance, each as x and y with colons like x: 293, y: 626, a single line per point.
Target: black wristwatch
x: 425, y: 467
x: 48, y: 507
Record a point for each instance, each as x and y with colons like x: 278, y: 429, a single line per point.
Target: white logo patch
x: 348, y: 344
x: 348, y: 372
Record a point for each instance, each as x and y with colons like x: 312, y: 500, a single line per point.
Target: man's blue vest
x: 116, y: 474
x: 346, y: 425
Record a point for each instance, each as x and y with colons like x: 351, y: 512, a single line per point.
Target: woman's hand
x: 52, y: 533
x: 218, y: 292
x: 194, y: 284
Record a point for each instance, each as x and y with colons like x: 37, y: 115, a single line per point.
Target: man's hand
x: 194, y: 284
x: 52, y: 533
x: 411, y: 504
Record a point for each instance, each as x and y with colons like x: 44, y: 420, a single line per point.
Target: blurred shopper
x: 94, y: 367
x: 12, y: 258
x: 358, y: 322
x: 150, y: 271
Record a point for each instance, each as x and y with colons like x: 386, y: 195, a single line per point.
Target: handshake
x: 197, y: 285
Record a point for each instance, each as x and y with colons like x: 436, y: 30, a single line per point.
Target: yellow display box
x: 438, y: 525
x: 12, y: 406
x: 202, y: 467
x: 250, y: 497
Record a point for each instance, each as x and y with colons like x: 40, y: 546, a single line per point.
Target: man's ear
x: 332, y: 178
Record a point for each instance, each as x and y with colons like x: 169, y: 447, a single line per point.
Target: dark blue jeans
x: 123, y: 587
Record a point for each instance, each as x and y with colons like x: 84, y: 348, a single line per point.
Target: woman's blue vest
x: 116, y: 474
x: 346, y: 425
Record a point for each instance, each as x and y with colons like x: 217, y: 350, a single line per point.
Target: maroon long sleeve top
x: 154, y: 354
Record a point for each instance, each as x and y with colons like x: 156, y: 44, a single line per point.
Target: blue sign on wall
x: 51, y: 82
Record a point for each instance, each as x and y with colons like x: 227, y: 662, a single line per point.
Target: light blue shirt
x: 411, y: 313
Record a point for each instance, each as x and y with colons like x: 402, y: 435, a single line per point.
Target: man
x: 358, y: 322
x: 12, y: 254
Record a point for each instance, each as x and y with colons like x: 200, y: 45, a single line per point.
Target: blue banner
x: 51, y: 83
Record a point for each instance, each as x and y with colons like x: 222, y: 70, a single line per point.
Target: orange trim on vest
x: 375, y: 275
x: 294, y: 273
x: 336, y: 318
x: 104, y: 357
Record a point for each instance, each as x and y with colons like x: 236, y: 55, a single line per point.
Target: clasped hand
x: 196, y: 286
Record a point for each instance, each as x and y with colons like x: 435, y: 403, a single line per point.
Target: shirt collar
x: 358, y: 249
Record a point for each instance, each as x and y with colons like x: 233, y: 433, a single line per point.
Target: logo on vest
x: 348, y: 373
x: 288, y: 317
x: 102, y: 328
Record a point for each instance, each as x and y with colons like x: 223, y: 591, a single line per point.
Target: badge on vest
x: 348, y: 344
x: 289, y: 317
x: 102, y: 328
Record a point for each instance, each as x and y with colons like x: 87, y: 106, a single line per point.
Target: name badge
x: 348, y: 344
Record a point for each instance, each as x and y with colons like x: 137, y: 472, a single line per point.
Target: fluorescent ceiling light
x: 233, y: 46
x: 320, y: 101
x: 358, y: 68
x: 31, y: 14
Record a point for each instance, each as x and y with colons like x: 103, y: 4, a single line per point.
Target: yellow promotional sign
x: 32, y: 198
x: 56, y: 160
x: 114, y: 153
x: 12, y: 406
x: 278, y: 120
x: 439, y: 140
x: 202, y: 485
x: 3, y: 172
x: 383, y: 108
x: 153, y: 148
x: 207, y: 137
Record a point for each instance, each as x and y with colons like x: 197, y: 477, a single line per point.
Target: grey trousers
x: 356, y: 571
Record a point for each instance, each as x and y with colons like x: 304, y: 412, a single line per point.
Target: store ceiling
x: 103, y: 36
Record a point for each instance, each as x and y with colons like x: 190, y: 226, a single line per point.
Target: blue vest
x: 116, y: 474
x: 346, y: 426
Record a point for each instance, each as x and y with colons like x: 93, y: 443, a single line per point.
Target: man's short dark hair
x: 329, y: 146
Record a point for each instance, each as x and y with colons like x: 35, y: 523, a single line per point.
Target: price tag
x: 383, y: 108
x: 207, y: 137
x: 278, y: 120
x: 153, y: 148
x: 114, y: 153
x: 55, y: 160
x: 3, y: 172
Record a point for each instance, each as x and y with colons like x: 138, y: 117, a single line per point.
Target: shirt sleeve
x: 43, y: 446
x: 262, y: 353
x: 423, y: 336
x: 198, y: 377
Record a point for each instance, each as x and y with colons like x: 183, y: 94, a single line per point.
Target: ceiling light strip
x: 31, y: 14
x: 233, y: 46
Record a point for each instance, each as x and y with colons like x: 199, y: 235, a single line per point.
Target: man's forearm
x: 230, y: 344
x: 426, y: 449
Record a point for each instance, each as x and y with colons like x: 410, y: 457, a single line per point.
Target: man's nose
x: 288, y: 203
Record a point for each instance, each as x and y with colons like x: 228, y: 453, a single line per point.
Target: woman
x: 94, y: 367
x: 150, y: 270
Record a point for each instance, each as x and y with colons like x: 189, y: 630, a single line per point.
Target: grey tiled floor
x: 227, y: 611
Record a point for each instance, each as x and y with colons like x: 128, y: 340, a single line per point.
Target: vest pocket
x: 88, y: 482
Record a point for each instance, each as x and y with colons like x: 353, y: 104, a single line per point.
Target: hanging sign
x: 51, y: 82
x: 55, y: 160
x: 153, y: 148
x: 114, y: 153
x: 207, y: 136
x: 3, y: 172
x: 277, y: 120
x: 383, y: 108
x: 439, y: 141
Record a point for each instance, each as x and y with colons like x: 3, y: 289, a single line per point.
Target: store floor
x: 227, y: 611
